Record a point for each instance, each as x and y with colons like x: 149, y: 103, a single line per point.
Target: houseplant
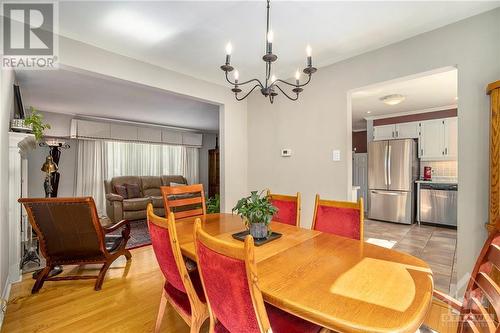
x: 257, y: 212
x: 35, y: 121
x: 213, y: 204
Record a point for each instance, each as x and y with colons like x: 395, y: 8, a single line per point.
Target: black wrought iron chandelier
x: 271, y: 84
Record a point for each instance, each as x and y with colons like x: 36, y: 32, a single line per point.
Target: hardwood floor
x: 129, y: 299
x: 435, y: 245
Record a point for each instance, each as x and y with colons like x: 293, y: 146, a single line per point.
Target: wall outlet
x: 336, y: 155
x: 286, y: 152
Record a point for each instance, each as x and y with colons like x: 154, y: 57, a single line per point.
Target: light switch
x: 336, y: 155
x: 286, y: 152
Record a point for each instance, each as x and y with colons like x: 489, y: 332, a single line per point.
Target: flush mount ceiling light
x: 271, y: 85
x: 132, y: 24
x: 393, y: 99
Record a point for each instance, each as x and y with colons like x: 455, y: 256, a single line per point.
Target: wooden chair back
x: 288, y: 208
x: 184, y: 201
x: 481, y: 306
x: 342, y: 218
x: 68, y: 228
x: 168, y: 254
x: 229, y: 276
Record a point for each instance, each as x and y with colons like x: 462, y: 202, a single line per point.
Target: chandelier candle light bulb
x: 270, y: 37
x: 270, y: 86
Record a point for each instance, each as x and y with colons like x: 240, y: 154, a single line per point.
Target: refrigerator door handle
x: 385, y: 164
x: 385, y: 193
x: 389, y: 165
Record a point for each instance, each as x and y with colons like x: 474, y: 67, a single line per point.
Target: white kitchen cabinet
x: 451, y: 138
x: 407, y: 130
x: 384, y: 132
x: 438, y: 139
x: 431, y: 140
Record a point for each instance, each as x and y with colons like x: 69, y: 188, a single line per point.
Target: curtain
x: 100, y: 160
x: 91, y: 171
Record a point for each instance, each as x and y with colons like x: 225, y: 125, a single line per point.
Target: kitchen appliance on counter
x: 427, y: 173
x: 438, y: 203
x: 392, y: 171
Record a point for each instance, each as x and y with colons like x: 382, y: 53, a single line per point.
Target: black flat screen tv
x: 19, y: 107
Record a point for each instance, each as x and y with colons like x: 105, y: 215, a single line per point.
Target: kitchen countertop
x: 438, y: 181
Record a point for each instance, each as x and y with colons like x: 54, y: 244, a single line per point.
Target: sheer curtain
x: 91, y: 171
x: 100, y: 160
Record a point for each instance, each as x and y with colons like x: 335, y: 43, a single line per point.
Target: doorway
x: 419, y: 112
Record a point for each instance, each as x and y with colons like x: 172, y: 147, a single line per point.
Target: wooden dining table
x: 342, y: 284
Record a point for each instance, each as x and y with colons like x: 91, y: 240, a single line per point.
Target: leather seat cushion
x: 136, y: 204
x: 157, y: 201
x: 151, y: 186
x: 166, y: 180
x: 134, y: 214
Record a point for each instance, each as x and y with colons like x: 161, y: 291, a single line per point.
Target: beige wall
x: 6, y: 109
x: 232, y: 119
x: 321, y: 122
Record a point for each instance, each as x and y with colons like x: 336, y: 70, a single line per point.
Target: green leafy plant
x: 35, y: 120
x: 213, y: 204
x: 255, y: 208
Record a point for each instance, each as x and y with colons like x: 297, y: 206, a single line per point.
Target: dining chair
x: 70, y: 233
x: 229, y: 276
x: 480, y: 309
x: 182, y: 289
x: 288, y: 208
x: 184, y: 201
x: 340, y: 218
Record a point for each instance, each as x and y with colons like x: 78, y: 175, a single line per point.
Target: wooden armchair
x: 70, y: 233
x: 481, y: 306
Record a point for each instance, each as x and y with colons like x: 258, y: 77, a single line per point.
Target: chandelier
x: 271, y: 84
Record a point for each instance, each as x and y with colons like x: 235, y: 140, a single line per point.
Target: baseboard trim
x: 5, y: 296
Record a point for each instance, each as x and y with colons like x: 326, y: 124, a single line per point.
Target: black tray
x: 257, y: 241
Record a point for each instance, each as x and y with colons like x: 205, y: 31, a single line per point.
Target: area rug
x: 139, y: 234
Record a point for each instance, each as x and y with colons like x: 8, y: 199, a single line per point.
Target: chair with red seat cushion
x: 229, y: 275
x: 184, y: 294
x: 288, y: 208
x: 340, y: 218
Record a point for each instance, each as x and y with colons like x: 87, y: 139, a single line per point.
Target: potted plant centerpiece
x: 257, y: 212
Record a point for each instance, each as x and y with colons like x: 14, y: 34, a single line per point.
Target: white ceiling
x: 190, y: 36
x: 80, y: 93
x: 421, y: 93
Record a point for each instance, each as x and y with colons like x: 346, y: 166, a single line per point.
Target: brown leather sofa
x: 119, y: 208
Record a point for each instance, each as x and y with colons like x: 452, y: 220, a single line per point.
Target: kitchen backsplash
x: 440, y: 169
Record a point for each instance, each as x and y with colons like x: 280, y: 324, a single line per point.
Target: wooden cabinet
x: 407, y: 130
x: 213, y: 172
x: 396, y: 131
x: 438, y: 139
x: 384, y: 132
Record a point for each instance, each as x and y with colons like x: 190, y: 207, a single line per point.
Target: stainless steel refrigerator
x: 392, y: 171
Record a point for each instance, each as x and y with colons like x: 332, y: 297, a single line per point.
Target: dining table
x: 342, y: 284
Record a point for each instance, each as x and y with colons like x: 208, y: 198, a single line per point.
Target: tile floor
x: 436, y: 245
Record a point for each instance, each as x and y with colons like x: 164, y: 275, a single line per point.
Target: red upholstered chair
x: 229, y: 275
x: 182, y: 290
x: 341, y: 218
x: 184, y: 201
x: 288, y: 208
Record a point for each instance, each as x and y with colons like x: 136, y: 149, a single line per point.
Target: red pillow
x: 133, y: 191
x: 121, y: 191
